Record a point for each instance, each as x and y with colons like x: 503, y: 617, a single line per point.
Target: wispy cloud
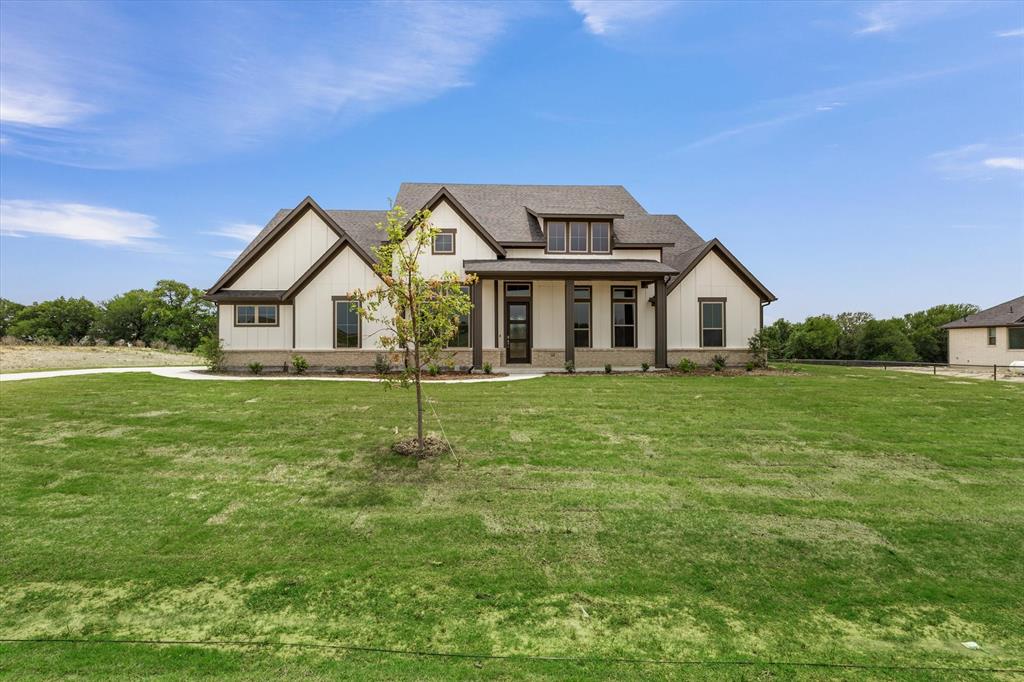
x: 606, y: 17
x: 80, y: 222
x: 978, y: 161
x: 1015, y: 33
x: 245, y: 232
x: 1007, y: 162
x: 890, y: 16
x: 114, y: 86
x: 228, y: 254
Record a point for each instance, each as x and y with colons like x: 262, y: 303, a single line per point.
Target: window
x: 346, y: 324
x: 623, y: 317
x: 600, y: 237
x: 255, y: 315
x: 712, y: 324
x: 462, y: 338
x: 578, y: 241
x: 991, y: 336
x: 581, y: 317
x: 444, y: 242
x: 556, y: 237
x: 517, y: 290
x: 1015, y: 337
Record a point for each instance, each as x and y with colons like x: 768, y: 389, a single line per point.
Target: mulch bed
x: 432, y: 447
x: 460, y: 376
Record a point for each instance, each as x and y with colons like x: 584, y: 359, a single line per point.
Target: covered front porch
x: 544, y: 313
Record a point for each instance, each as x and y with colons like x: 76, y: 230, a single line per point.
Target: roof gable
x: 686, y: 261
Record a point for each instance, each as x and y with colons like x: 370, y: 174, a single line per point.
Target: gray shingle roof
x: 1008, y: 313
x: 563, y: 266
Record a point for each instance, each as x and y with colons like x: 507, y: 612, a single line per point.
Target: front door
x: 517, y: 331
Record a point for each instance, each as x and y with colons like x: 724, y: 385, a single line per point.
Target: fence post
x: 994, y: 373
x: 934, y: 370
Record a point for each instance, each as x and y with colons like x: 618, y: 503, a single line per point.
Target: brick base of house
x: 702, y: 356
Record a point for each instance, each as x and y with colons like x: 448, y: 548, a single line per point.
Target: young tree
x: 419, y: 314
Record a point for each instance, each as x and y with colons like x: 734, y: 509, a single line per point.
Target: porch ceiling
x: 569, y: 268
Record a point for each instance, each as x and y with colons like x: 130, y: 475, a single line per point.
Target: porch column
x: 660, y: 324
x: 570, y: 345
x: 476, y: 323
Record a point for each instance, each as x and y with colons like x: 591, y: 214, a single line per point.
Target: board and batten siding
x: 468, y: 244
x: 276, y: 337
x: 290, y: 256
x: 712, y: 278
x: 969, y: 346
x: 549, y: 314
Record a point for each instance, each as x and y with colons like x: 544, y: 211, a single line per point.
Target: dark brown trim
x: 443, y: 194
x: 700, y: 317
x: 476, y: 323
x: 732, y: 262
x: 636, y: 315
x: 615, y: 245
x: 293, y: 324
x: 579, y: 217
x: 256, y: 315
x: 660, y: 324
x: 565, y: 235
x: 589, y: 222
x: 528, y: 300
x: 434, y: 251
x: 227, y: 297
x: 496, y: 344
x: 582, y: 275
x: 334, y: 321
x: 570, y: 321
x: 315, y: 269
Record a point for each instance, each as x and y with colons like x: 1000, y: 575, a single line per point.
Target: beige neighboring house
x: 991, y: 337
x: 580, y: 274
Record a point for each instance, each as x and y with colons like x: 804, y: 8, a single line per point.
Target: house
x: 991, y: 337
x: 578, y: 274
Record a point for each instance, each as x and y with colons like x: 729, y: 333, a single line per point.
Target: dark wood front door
x: 517, y: 331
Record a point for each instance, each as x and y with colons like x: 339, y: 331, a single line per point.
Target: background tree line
x: 171, y: 314
x: 859, y: 336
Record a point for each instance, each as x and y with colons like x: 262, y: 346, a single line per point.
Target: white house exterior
x: 990, y: 337
x: 578, y: 274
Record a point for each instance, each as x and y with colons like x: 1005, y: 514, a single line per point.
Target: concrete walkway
x: 192, y: 373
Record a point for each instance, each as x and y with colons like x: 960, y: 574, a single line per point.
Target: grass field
x: 29, y: 358
x: 833, y: 516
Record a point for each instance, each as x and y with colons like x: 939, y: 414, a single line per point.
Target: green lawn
x: 835, y: 516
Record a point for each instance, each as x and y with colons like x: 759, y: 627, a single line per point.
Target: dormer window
x: 444, y: 243
x: 579, y: 236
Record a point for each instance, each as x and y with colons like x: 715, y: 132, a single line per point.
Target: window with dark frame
x: 712, y: 324
x: 256, y: 315
x: 991, y: 336
x: 517, y: 290
x: 1015, y: 338
x: 581, y: 314
x: 444, y: 242
x: 462, y: 337
x: 623, y: 317
x: 600, y: 237
x: 346, y: 324
x: 578, y: 237
x: 556, y: 237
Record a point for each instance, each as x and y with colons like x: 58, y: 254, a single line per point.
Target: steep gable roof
x: 1010, y: 313
x: 686, y: 261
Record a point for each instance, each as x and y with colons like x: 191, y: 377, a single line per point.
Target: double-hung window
x: 578, y: 237
x: 581, y: 316
x: 556, y: 237
x: 1015, y: 338
x: 600, y: 237
x: 712, y: 323
x: 623, y: 317
x: 346, y: 323
x: 991, y: 336
x: 255, y: 315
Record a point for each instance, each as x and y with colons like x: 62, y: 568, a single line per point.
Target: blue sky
x: 865, y: 156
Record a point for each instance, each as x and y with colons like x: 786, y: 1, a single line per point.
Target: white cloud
x: 245, y: 232
x: 1008, y: 162
x: 80, y: 222
x: 887, y: 17
x: 229, y: 254
x: 92, y: 85
x: 1015, y: 33
x: 604, y: 17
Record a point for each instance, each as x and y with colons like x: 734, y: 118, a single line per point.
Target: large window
x: 579, y: 236
x: 444, y: 242
x: 255, y: 315
x: 623, y: 317
x: 1015, y: 337
x: 712, y: 323
x: 462, y: 338
x: 581, y: 299
x: 991, y: 336
x: 346, y: 324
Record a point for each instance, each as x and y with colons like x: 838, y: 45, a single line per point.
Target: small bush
x: 570, y: 367
x: 300, y: 364
x: 644, y: 366
x: 488, y: 369
x: 339, y: 370
x: 211, y: 350
x: 381, y: 364
x: 256, y: 367
x: 686, y: 366
x: 433, y: 370
x: 718, y: 362
x: 607, y: 368
x: 751, y: 365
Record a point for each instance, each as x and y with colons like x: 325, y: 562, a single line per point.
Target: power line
x: 508, y: 657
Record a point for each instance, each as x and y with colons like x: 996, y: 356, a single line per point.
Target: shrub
x: 487, y: 368
x: 9, y: 340
x: 100, y: 342
x: 211, y: 350
x: 433, y: 370
x: 160, y: 344
x: 339, y: 370
x: 686, y: 366
x: 120, y: 343
x: 751, y: 365
x: 645, y: 366
x: 718, y: 362
x: 380, y: 364
x: 607, y: 368
x: 570, y: 367
x: 300, y: 364
x: 255, y: 367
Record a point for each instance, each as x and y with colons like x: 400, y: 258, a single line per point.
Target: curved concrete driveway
x: 191, y: 373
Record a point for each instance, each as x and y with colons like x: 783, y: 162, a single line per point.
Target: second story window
x: 578, y: 241
x: 444, y: 243
x: 579, y: 236
x: 556, y: 237
x: 600, y: 237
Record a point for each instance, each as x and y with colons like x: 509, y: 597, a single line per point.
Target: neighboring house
x: 990, y: 337
x: 566, y: 273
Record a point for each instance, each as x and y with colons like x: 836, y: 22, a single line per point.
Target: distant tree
x: 817, y: 338
x: 851, y: 326
x: 8, y: 311
x: 127, y: 316
x: 65, y: 320
x: 178, y: 314
x: 885, y: 340
x: 772, y: 339
x: 924, y: 328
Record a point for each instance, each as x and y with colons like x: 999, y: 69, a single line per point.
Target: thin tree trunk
x: 419, y: 404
